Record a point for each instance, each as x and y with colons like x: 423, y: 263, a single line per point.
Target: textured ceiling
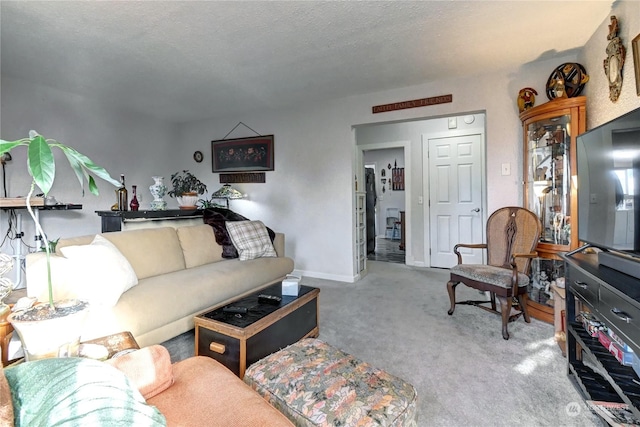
x: 188, y: 60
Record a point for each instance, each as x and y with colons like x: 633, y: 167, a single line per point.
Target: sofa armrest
x: 278, y: 244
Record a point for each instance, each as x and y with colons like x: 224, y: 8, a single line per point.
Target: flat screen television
x: 608, y: 180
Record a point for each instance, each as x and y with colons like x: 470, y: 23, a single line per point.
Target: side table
x: 6, y: 332
x: 116, y: 343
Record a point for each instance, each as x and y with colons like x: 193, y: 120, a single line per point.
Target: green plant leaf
x: 6, y: 146
x: 79, y: 160
x: 42, y: 166
x: 92, y: 185
x: 78, y: 170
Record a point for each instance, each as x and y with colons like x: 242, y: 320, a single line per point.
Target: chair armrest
x: 533, y: 254
x: 514, y: 267
x: 467, y: 245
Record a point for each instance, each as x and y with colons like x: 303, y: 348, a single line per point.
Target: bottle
x: 134, y: 199
x: 123, y: 196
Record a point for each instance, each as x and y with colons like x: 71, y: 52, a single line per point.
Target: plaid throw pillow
x: 251, y: 239
x: 217, y: 218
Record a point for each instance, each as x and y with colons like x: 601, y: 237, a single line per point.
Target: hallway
x: 387, y: 250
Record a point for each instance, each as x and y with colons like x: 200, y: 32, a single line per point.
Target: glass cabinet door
x: 548, y: 175
x: 549, y: 157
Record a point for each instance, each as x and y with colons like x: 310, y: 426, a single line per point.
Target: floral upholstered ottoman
x: 315, y: 384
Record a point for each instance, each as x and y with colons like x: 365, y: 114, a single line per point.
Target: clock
x: 197, y: 156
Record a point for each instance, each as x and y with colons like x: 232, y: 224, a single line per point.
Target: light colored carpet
x: 465, y: 373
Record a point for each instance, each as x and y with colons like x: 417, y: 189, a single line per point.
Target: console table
x: 614, y: 299
x: 122, y: 220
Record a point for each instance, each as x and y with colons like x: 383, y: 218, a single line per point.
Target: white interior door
x: 455, y: 192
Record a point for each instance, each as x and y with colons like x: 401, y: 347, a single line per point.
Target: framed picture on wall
x: 397, y: 179
x: 242, y: 154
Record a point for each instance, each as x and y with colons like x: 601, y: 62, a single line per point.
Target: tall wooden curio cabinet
x: 550, y: 132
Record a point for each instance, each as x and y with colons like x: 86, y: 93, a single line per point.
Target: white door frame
x: 406, y: 145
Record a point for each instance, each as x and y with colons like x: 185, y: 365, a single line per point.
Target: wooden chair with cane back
x: 512, y: 235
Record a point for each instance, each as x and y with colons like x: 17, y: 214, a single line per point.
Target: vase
x: 46, y: 333
x: 134, y: 199
x: 187, y: 201
x: 158, y: 191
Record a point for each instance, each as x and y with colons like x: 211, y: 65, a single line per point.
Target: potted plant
x: 49, y: 330
x: 186, y: 188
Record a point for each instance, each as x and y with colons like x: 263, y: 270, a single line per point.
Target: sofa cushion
x: 101, y: 272
x: 199, y: 245
x: 148, y: 369
x: 180, y: 295
x: 151, y: 251
x: 250, y: 239
x: 78, y: 392
x: 206, y: 393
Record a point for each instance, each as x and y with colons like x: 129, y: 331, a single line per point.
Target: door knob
x: 475, y: 210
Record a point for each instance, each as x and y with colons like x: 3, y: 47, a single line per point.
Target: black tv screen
x: 608, y: 180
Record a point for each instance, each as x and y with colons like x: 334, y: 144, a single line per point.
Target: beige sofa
x: 180, y: 273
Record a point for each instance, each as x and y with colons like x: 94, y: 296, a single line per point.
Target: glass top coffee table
x: 239, y: 339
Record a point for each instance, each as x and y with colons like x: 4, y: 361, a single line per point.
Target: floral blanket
x: 315, y: 384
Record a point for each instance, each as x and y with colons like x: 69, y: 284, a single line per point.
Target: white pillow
x: 251, y: 239
x: 103, y: 271
x: 65, y: 285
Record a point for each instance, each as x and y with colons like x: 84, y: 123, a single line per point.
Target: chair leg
x: 451, y: 288
x: 493, y: 301
x: 522, y: 300
x: 505, y: 310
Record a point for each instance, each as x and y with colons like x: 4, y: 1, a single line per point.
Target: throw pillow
x: 63, y: 278
x: 149, y: 369
x: 217, y: 219
x: 251, y: 239
x: 76, y: 392
x: 101, y: 271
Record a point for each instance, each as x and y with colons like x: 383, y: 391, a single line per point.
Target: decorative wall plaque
x: 242, y: 178
x: 614, y: 61
x: 414, y: 103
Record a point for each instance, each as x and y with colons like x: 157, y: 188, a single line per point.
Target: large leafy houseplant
x: 41, y: 166
x: 42, y: 169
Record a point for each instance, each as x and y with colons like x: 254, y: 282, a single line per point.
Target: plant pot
x: 187, y: 200
x: 45, y: 333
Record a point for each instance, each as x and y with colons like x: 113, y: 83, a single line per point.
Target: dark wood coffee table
x: 238, y: 340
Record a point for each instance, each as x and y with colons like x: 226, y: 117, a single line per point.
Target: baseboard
x: 317, y: 275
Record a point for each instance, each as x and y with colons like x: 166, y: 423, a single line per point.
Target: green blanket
x: 76, y: 392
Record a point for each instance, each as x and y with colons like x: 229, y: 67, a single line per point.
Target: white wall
x: 120, y: 141
x: 600, y: 109
x: 309, y: 195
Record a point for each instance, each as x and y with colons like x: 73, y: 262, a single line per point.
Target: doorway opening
x: 428, y: 229
x: 385, y: 200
